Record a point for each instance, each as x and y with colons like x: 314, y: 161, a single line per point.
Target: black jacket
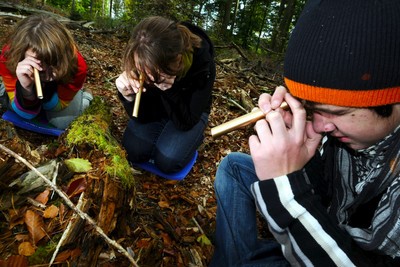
x: 188, y: 98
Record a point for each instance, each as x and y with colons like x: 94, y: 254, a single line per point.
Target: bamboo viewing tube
x: 38, y: 84
x: 138, y: 96
x: 240, y: 122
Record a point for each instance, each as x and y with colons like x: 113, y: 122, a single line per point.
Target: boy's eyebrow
x: 330, y: 110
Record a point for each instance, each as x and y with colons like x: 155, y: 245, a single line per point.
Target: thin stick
x: 72, y: 206
x: 67, y: 230
x: 138, y: 95
x: 39, y: 91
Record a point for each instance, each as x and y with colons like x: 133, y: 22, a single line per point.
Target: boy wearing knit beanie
x: 326, y: 174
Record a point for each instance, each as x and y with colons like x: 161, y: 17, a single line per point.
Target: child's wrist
x: 28, y: 94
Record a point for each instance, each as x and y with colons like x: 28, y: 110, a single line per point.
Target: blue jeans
x: 63, y: 118
x: 171, y: 149
x: 60, y: 119
x: 236, y: 241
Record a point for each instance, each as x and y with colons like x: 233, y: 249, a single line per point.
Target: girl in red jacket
x: 45, y: 44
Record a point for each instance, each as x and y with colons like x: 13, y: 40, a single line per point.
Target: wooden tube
x: 38, y: 84
x: 138, y: 96
x: 242, y: 121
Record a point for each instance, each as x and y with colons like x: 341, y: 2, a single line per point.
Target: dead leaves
x: 15, y: 261
x: 169, y: 212
x: 50, y: 212
x: 76, y: 186
x: 35, y: 225
x: 38, y: 222
x: 26, y: 249
x: 68, y: 255
x: 43, y: 197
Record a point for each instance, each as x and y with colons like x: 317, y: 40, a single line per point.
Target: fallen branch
x: 240, y: 51
x: 66, y: 231
x: 72, y: 206
x: 233, y: 102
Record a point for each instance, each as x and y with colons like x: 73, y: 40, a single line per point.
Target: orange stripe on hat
x: 346, y: 98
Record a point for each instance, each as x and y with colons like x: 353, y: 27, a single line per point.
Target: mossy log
x: 92, y: 129
x: 109, y: 185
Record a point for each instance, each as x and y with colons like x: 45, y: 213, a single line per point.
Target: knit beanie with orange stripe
x: 346, y: 53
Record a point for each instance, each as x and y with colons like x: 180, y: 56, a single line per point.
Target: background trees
x: 260, y: 26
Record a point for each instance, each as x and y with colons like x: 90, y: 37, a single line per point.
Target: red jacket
x: 57, y: 96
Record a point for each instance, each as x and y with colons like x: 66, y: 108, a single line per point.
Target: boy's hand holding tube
x: 285, y: 140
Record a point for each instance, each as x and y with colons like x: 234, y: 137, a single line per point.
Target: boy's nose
x: 322, y: 124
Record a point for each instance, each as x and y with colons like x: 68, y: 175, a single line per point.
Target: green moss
x: 92, y: 128
x: 98, y: 107
x: 43, y: 254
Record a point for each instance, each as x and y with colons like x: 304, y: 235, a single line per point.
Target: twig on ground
x: 233, y: 102
x: 67, y: 230
x: 198, y: 225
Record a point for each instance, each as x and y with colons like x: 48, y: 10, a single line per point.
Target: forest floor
x: 187, y: 207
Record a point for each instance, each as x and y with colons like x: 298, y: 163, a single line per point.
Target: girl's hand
x: 25, y: 75
x: 128, y: 87
x: 285, y: 141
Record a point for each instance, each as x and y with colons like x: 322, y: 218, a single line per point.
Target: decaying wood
x: 104, y: 195
x: 239, y: 50
x: 13, y: 10
x: 109, y: 193
x: 72, y: 206
x: 77, y: 223
x: 16, y: 8
x: 9, y: 167
x: 105, y: 192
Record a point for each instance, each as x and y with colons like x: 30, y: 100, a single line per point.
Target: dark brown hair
x: 155, y: 44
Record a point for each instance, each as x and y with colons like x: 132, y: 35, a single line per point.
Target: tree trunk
x: 264, y: 20
x: 281, y: 30
x: 234, y: 17
x: 226, y: 18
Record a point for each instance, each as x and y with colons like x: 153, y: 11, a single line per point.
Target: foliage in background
x: 261, y: 27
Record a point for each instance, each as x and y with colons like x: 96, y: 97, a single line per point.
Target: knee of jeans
x: 86, y: 100
x: 221, y: 178
x: 167, y: 164
x: 136, y: 153
x: 62, y: 122
x: 225, y: 172
x: 87, y: 95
